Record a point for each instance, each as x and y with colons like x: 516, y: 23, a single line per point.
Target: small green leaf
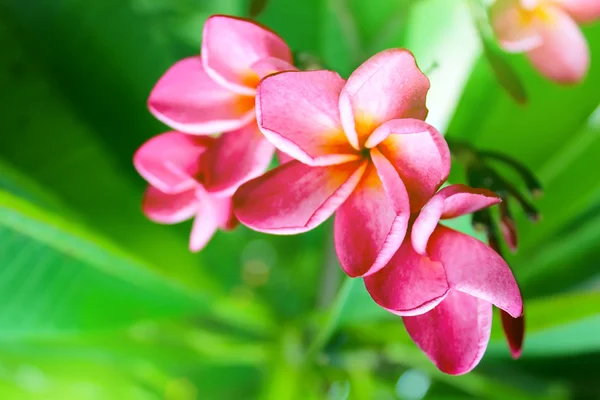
x: 256, y: 7
x: 505, y: 74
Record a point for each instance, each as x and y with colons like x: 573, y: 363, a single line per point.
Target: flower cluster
x: 547, y: 31
x: 358, y: 148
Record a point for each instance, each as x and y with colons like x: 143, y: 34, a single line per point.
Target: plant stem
x: 332, y: 319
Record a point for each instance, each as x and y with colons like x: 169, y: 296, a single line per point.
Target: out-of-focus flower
x: 215, y: 92
x: 360, y: 147
x: 444, y: 282
x: 547, y: 31
x: 175, y: 165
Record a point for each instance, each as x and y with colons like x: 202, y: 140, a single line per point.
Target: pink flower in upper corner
x: 547, y: 31
x: 174, y: 164
x: 360, y: 147
x: 444, y: 283
x: 214, y: 93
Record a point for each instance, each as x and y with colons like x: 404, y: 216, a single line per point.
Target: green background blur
x: 96, y: 302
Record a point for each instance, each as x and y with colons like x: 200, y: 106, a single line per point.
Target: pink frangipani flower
x: 444, y: 282
x: 360, y: 147
x: 547, y: 31
x: 174, y: 163
x: 214, y: 93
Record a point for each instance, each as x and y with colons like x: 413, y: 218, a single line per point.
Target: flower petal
x: 230, y: 46
x: 371, y: 224
x: 387, y: 86
x: 474, y: 268
x: 212, y: 213
x: 514, y: 330
x: 515, y: 27
x: 581, y: 10
x: 295, y: 197
x: 411, y: 284
x: 171, y: 161
x: 564, y: 55
x: 420, y: 155
x: 455, y: 334
x: 235, y: 158
x: 450, y: 202
x: 267, y: 66
x: 188, y: 100
x: 298, y: 113
x: 169, y: 208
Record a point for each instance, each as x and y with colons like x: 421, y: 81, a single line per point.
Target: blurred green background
x: 96, y: 302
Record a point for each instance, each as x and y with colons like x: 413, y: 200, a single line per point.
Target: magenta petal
x: 212, y: 213
x: 472, y: 267
x: 295, y: 197
x: 450, y: 202
x: 188, y: 100
x: 267, y: 66
x: 411, y: 284
x: 455, y: 334
x: 581, y: 10
x: 169, y: 208
x: 514, y: 330
x: 231, y: 46
x: 387, y: 86
x: 564, y: 55
x: 170, y: 161
x: 235, y: 158
x: 298, y: 113
x: 372, y: 222
x: 420, y: 155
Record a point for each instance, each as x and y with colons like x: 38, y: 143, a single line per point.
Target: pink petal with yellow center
x: 455, y: 334
x: 564, y: 55
x: 231, y: 46
x: 450, y: 202
x: 411, y: 284
x: 372, y: 222
x: 474, y: 268
x: 295, y: 197
x: 235, y: 158
x: 212, y: 213
x: 514, y: 330
x: 387, y: 86
x: 169, y: 208
x: 188, y: 100
x: 171, y: 161
x: 267, y: 66
x: 420, y: 155
x: 298, y: 113
x: 581, y: 10
x: 515, y: 26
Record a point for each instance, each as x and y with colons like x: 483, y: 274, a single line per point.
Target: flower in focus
x: 214, y: 93
x: 174, y: 164
x: 547, y: 31
x: 444, y: 282
x: 359, y: 147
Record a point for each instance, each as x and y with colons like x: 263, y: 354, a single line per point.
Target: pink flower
x: 215, y: 93
x: 360, y: 147
x: 174, y: 163
x: 444, y: 283
x: 547, y: 31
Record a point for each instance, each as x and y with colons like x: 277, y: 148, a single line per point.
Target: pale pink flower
x: 444, y: 283
x: 214, y: 93
x: 360, y: 147
x: 180, y: 172
x: 547, y: 31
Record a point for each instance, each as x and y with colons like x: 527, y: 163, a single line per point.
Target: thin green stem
x: 332, y: 319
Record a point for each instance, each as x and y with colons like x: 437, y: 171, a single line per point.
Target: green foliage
x: 98, y: 302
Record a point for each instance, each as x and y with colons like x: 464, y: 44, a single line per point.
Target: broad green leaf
x: 56, y: 277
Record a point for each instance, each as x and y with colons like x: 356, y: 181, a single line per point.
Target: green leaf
x: 505, y: 74
x: 554, y: 326
x: 70, y: 280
